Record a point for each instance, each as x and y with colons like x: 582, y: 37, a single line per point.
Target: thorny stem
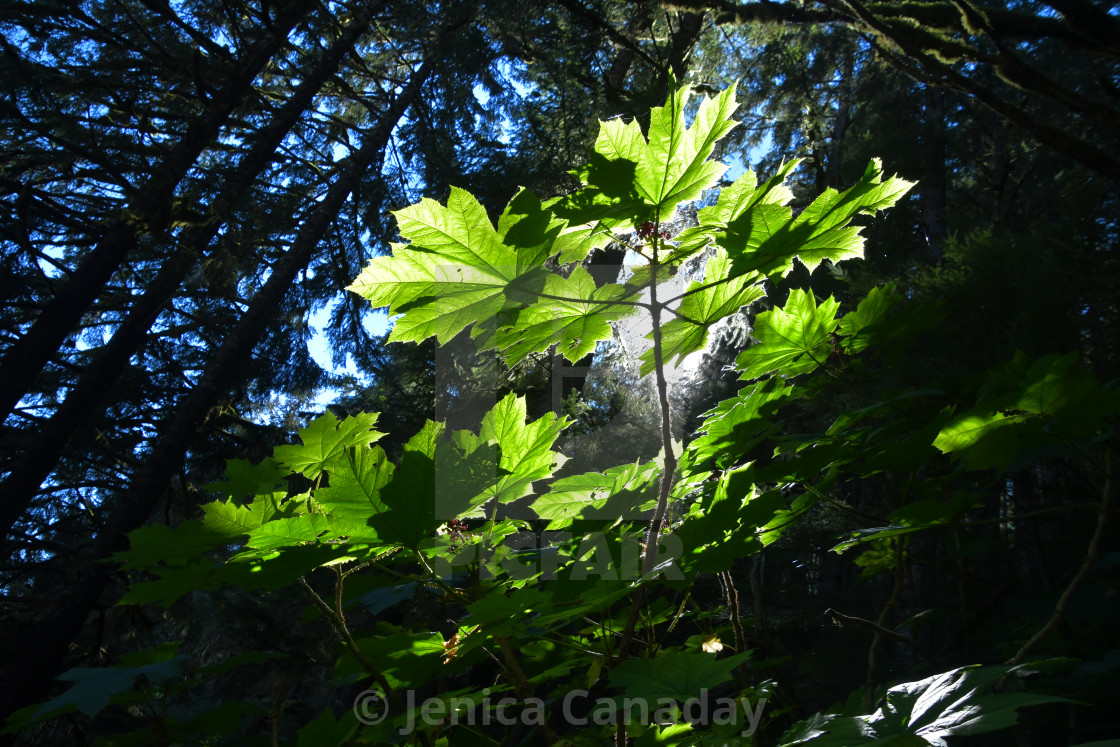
x: 665, y: 486
x: 523, y: 687
x: 702, y: 287
x: 670, y: 468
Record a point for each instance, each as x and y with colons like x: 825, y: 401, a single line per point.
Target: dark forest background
x: 185, y: 185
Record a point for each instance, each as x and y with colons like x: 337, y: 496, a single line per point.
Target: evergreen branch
x: 1077, y: 148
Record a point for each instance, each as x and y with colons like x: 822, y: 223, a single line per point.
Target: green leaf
x: 675, y: 167
x: 409, y: 501
x: 356, y: 479
x: 501, y: 613
x: 94, y: 686
x: 745, y: 194
x: 766, y: 238
x: 536, y: 233
x: 1029, y: 407
x: 243, y: 479
x: 324, y: 440
x: 725, y: 525
x: 459, y: 232
x: 953, y: 703
x: 927, y: 711
x: 455, y: 272
x: 914, y: 517
x: 526, y: 448
x: 325, y: 731
x: 173, y: 582
x: 678, y: 676
x: 574, y: 318
x: 589, y: 495
x: 406, y: 659
x: 792, y: 340
x: 229, y: 520
x: 287, y: 532
x: 630, y: 178
x: 858, y: 326
x: 159, y: 544
x: 733, y: 426
x: 703, y: 305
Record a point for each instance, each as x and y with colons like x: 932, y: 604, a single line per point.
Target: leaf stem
x: 704, y: 287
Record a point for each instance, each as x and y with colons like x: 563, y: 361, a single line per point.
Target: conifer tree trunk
x: 149, y: 210
x: 36, y: 654
x: 84, y: 402
x: 934, y: 177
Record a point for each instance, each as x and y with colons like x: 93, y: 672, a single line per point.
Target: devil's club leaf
x: 357, y: 478
x: 286, y: 532
x: 454, y: 273
x: 94, y: 686
x: 703, y: 305
x: 927, y: 711
x: 766, y: 238
x: 678, y: 676
x: 589, y: 496
x: 574, y: 326
x: 793, y: 339
x: 526, y: 448
x: 1027, y: 407
x: 675, y: 167
x: 632, y: 179
x: 408, y: 503
x: 325, y: 439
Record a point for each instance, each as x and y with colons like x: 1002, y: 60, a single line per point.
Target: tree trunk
x: 933, y: 184
x: 151, y: 206
x: 85, y: 400
x: 37, y: 654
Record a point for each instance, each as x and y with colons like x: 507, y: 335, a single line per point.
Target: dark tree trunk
x: 84, y: 402
x: 152, y: 206
x: 933, y: 183
x: 35, y: 655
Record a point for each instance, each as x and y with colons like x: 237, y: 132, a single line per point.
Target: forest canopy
x: 763, y: 350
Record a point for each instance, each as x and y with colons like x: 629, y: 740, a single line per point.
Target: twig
x: 343, y: 631
x: 884, y: 615
x: 1090, y: 559
x: 524, y: 688
x: 842, y: 619
x: 733, y: 611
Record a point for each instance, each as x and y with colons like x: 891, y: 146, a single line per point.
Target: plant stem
x: 665, y: 487
x: 670, y: 468
x: 523, y: 687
